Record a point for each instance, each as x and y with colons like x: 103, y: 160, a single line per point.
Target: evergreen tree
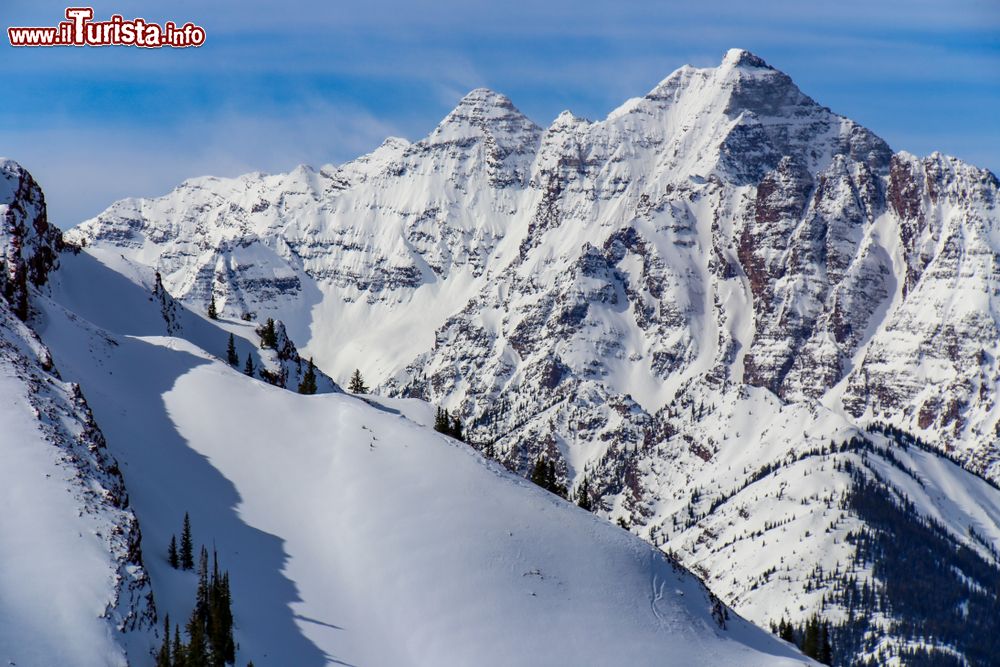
x: 268, y: 337
x: 197, y: 648
x: 583, y: 495
x: 539, y: 474
x: 180, y: 654
x: 201, y: 596
x: 163, y: 657
x: 357, y: 385
x: 210, y: 626
x: 226, y: 615
x: 248, y: 366
x: 455, y: 430
x: 220, y: 617
x: 785, y: 631
x: 825, y: 648
x: 231, y: 357
x: 172, y: 553
x: 552, y: 481
x: 213, y: 314
x: 308, y: 384
x: 187, y: 546
x: 810, y: 639
x: 442, y: 421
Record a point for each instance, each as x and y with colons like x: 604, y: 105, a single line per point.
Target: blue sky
x: 293, y: 81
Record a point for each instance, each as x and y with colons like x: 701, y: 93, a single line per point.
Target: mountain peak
x: 484, y: 98
x: 484, y: 107
x: 485, y: 115
x: 743, y: 58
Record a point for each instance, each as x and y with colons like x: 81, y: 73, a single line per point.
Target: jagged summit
x: 744, y: 58
x: 485, y: 132
x: 9, y: 166
x: 483, y: 107
x: 393, y: 143
x: 484, y: 97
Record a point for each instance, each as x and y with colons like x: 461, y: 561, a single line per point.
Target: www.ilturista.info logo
x: 81, y: 30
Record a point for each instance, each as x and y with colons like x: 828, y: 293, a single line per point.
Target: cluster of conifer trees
x: 448, y: 424
x: 308, y: 383
x: 544, y: 475
x: 583, y: 495
x: 209, y: 629
x: 812, y: 638
x: 268, y: 335
x: 306, y: 386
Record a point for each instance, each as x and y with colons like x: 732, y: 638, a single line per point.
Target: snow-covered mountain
x: 755, y: 331
x: 351, y: 532
x: 722, y: 228
x: 696, y: 304
x: 73, y: 589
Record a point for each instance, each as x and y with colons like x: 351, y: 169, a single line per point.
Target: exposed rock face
x: 932, y: 366
x: 30, y: 245
x: 719, y: 277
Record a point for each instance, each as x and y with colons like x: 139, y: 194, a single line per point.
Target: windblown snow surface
x: 56, y: 571
x: 72, y: 587
x: 352, y: 534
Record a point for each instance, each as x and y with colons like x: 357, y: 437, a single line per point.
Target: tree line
x: 209, y: 628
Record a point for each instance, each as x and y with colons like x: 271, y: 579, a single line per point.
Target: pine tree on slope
x: 583, y: 495
x: 268, y: 335
x: 357, y: 385
x: 172, y: 553
x: 539, y: 474
x: 197, y: 648
x: 441, y: 421
x: 825, y: 655
x: 455, y: 430
x: 231, y: 357
x: 308, y: 384
x: 213, y: 314
x: 187, y: 546
x: 180, y: 653
x: 248, y: 368
x: 163, y: 657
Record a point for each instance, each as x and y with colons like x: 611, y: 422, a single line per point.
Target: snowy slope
x: 73, y: 589
x: 71, y: 568
x: 354, y: 535
x: 89, y: 281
